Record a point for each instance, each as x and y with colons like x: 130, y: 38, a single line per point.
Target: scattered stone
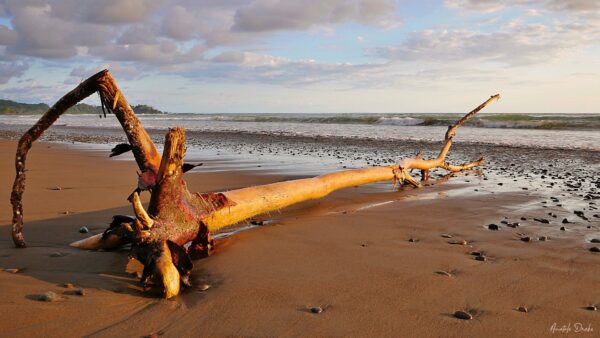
x: 48, y: 297
x: 84, y: 230
x: 444, y: 273
x: 543, y: 238
x: 80, y: 292
x: 68, y: 286
x: 461, y: 242
x: 522, y: 308
x: 591, y: 307
x: 58, y: 254
x: 523, y: 219
x: 595, y: 249
x: 542, y: 220
x: 565, y: 221
x: 446, y: 235
x: 257, y: 222
x: 563, y: 229
x: 463, y: 315
x: 413, y: 240
x: 57, y: 188
x: 476, y: 253
x: 494, y: 226
x: 526, y: 239
x: 13, y: 270
x: 203, y: 287
x: 316, y: 310
x: 514, y: 225
x: 595, y: 240
x: 481, y: 258
x: 504, y: 222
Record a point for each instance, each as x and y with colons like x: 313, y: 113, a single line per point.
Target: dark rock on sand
x: 595, y: 240
x: 522, y: 309
x: 316, y: 310
x: 526, y: 239
x: 84, y: 230
x: 565, y: 221
x: 48, y: 297
x: 493, y: 227
x: 595, y: 249
x: 542, y: 220
x: 58, y: 254
x: 463, y: 315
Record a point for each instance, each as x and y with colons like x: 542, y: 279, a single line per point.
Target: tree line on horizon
x: 9, y: 107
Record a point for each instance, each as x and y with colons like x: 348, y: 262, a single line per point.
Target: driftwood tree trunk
x: 176, y: 217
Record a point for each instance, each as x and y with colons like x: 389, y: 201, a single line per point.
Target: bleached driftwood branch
x: 175, y: 216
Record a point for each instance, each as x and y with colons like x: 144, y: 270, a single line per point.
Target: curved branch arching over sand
x: 175, y: 216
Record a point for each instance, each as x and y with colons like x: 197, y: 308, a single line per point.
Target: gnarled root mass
x: 176, y: 217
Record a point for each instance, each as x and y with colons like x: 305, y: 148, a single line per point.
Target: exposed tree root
x: 175, y: 216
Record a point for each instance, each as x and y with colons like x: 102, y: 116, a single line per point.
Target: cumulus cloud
x: 9, y: 70
x: 521, y: 44
x: 273, y: 15
x: 553, y: 5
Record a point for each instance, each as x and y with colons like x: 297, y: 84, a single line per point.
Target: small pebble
x: 493, y: 227
x: 522, y: 309
x: 446, y: 235
x: 80, y: 292
x: 463, y: 315
x: 58, y: 254
x: 595, y: 240
x: 565, y: 221
x: 462, y: 242
x: 481, y: 258
x: 413, y: 240
x: 595, y: 249
x: 523, y: 219
x: 316, y: 310
x: 476, y: 253
x: 13, y: 270
x: 591, y: 307
x: 84, y: 230
x: 203, y: 287
x: 444, y: 273
x: 526, y: 239
x: 543, y: 238
x: 563, y: 229
x: 48, y: 297
x: 68, y: 286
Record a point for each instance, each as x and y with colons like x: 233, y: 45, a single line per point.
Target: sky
x: 309, y: 56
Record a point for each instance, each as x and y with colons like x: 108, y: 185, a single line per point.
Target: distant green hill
x: 8, y: 107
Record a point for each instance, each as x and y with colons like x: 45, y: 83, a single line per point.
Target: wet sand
x: 378, y: 263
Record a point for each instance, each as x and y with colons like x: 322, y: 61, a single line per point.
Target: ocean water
x: 564, y: 131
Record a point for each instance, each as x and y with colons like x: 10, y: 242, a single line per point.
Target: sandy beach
x: 379, y: 263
